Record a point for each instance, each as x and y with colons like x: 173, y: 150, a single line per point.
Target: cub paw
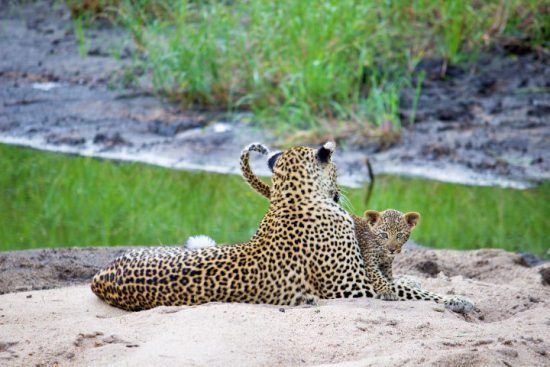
x: 408, y: 281
x: 459, y: 304
x: 386, y: 296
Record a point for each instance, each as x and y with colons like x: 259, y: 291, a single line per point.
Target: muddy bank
x: 486, y: 123
x: 70, y: 326
x: 52, y: 268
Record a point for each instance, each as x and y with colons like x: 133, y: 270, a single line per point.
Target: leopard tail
x: 249, y: 176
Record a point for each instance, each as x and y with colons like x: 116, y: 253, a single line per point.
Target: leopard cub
x: 381, y: 235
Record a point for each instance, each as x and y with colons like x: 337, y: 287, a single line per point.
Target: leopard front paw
x: 308, y: 300
x: 312, y: 300
x: 386, y: 296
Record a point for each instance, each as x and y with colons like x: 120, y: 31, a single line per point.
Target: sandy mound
x: 70, y: 326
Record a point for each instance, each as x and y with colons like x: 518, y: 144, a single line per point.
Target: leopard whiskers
x: 344, y: 201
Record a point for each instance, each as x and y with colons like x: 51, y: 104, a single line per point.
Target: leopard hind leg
x: 454, y: 303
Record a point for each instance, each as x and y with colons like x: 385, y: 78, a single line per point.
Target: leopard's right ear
x: 412, y: 219
x: 372, y: 216
x: 273, y: 159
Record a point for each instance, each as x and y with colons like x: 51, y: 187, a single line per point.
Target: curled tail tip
x: 256, y: 147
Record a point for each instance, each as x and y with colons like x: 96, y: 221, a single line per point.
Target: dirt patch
x: 545, y: 274
x: 428, y: 267
x: 484, y: 123
x: 52, y: 268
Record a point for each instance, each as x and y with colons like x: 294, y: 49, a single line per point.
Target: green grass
x: 313, y: 64
x: 52, y: 200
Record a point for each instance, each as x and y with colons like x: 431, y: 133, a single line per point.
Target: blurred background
x: 122, y: 122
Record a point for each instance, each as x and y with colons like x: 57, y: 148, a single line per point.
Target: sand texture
x: 69, y: 326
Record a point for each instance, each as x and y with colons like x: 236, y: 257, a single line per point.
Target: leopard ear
x: 412, y: 219
x: 273, y: 159
x: 372, y: 216
x: 325, y: 152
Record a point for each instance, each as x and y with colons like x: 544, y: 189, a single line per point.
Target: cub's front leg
x: 382, y: 286
x: 385, y: 267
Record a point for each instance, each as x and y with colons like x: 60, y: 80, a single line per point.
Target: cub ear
x: 412, y: 219
x: 372, y: 216
x: 325, y: 152
x: 273, y: 159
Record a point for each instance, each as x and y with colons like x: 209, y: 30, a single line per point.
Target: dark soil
x: 486, y: 123
x: 491, y: 116
x: 52, y: 268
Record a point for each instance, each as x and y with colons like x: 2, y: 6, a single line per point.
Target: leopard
x: 304, y: 249
x: 293, y: 257
x: 380, y: 237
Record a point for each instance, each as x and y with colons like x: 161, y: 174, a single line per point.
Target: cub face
x: 391, y: 228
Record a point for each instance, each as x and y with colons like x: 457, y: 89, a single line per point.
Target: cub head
x: 391, y: 228
x: 304, y: 172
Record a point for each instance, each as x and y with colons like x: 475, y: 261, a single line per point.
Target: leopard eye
x: 384, y: 235
x: 399, y: 235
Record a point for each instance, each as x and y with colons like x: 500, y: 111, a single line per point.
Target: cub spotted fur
x: 381, y: 236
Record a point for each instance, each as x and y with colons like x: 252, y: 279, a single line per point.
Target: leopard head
x: 301, y: 172
x: 391, y: 228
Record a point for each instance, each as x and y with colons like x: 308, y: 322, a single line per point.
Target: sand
x: 70, y: 326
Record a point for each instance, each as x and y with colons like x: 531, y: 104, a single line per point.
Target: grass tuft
x: 306, y: 64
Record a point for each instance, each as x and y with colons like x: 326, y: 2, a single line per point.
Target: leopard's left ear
x: 412, y: 219
x: 325, y: 152
x: 372, y: 216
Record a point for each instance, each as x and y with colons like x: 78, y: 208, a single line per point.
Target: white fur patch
x: 330, y: 145
x: 200, y: 241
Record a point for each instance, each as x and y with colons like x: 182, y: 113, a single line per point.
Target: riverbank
x: 485, y: 124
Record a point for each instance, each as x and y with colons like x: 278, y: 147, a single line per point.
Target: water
x: 55, y: 200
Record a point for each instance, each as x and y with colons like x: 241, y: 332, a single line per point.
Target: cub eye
x: 384, y: 235
x: 399, y: 235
